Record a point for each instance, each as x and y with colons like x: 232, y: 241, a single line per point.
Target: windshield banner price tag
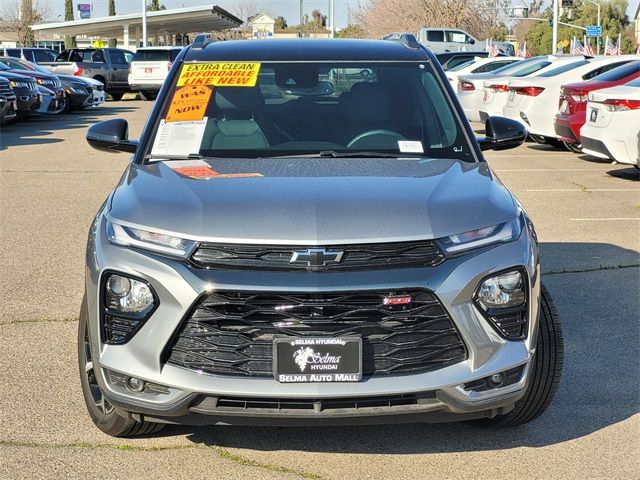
x: 220, y: 74
x: 189, y: 103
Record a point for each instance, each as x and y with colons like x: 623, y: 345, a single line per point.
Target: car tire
x: 116, y: 96
x: 573, y: 147
x: 538, y: 139
x: 148, y: 95
x: 555, y: 143
x: 546, y: 370
x: 67, y: 105
x: 103, y: 414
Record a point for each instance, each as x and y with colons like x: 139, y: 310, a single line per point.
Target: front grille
x: 317, y: 405
x: 421, y: 253
x: 232, y: 333
x: 6, y: 91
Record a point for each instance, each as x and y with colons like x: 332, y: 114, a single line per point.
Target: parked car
x: 317, y: 271
x: 449, y: 60
x: 45, y: 79
x: 534, y: 100
x: 25, y: 89
x: 110, y: 66
x: 30, y: 54
x: 50, y: 102
x: 573, y: 101
x: 455, y: 40
x: 8, y: 102
x: 81, y: 92
x: 479, y: 65
x: 495, y: 91
x: 612, y: 128
x: 149, y: 67
x: 471, y: 87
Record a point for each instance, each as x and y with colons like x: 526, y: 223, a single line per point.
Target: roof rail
x: 202, y: 40
x: 407, y: 39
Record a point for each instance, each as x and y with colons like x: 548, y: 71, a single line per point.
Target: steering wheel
x: 386, y: 139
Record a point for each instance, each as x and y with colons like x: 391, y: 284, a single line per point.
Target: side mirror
x: 471, y: 41
x: 111, y: 136
x: 502, y: 133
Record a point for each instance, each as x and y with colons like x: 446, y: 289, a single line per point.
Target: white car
x: 148, y: 69
x: 98, y: 95
x: 495, y: 90
x: 478, y: 65
x: 470, y: 87
x: 535, y: 100
x: 612, y: 129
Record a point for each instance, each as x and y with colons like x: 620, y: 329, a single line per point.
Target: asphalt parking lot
x: 587, y: 214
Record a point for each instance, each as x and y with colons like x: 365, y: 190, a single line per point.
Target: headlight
x: 156, y: 242
x: 482, y: 237
x: 15, y: 84
x: 77, y: 90
x: 127, y: 303
x: 502, y: 298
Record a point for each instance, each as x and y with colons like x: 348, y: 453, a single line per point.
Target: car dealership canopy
x: 166, y: 23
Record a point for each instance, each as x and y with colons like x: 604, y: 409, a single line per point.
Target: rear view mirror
x: 323, y: 88
x: 502, y: 133
x: 111, y: 136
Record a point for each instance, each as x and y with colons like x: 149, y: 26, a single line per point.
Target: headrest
x: 239, y: 99
x: 366, y: 102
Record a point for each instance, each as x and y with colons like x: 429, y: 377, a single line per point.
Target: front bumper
x: 193, y: 397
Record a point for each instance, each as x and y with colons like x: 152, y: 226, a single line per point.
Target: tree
x: 479, y: 17
x: 318, y: 20
x: 155, y: 6
x: 614, y: 20
x: 280, y: 23
x: 112, y: 12
x: 19, y: 15
x: 69, y: 41
x: 245, y: 10
x: 352, y: 31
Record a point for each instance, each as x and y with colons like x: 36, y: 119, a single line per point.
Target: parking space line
x: 583, y: 190
x: 615, y: 219
x: 548, y: 170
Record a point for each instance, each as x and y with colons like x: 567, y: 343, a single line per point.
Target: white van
x: 149, y: 67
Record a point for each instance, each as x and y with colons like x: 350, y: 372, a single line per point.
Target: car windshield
x: 254, y: 110
x: 619, y: 73
x: 155, y: 55
x: 520, y: 65
x: 462, y: 65
x: 633, y: 83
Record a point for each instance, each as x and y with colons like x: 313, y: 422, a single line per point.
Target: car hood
x: 9, y: 74
x: 312, y: 201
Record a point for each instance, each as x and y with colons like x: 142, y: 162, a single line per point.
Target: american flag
x: 524, y: 53
x: 588, y: 49
x: 576, y: 47
x: 611, y: 48
x: 492, y: 49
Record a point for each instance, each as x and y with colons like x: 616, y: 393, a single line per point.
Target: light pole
x: 333, y: 18
x: 597, y: 4
x: 144, y: 23
x: 554, y: 41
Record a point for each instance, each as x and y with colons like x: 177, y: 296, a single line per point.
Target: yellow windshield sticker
x: 189, y: 103
x: 219, y: 74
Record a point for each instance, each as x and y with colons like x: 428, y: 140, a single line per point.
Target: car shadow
x: 594, y: 159
x: 599, y: 387
x: 628, y: 173
x: 39, y: 130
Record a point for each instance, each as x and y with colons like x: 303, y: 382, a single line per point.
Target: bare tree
x: 19, y: 15
x: 479, y: 17
x: 244, y: 10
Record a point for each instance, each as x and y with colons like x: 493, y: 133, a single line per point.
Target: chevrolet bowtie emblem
x: 316, y: 257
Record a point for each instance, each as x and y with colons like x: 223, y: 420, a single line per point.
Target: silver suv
x: 308, y: 233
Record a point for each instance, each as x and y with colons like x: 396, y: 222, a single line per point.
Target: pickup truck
x: 107, y: 65
x: 440, y: 40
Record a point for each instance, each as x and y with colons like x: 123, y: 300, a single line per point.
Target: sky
x: 289, y: 9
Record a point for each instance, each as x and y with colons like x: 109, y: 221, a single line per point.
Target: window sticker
x: 189, y: 103
x: 199, y: 169
x: 408, y: 146
x: 179, y: 138
x: 220, y: 74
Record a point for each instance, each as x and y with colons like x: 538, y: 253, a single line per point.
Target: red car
x: 573, y: 101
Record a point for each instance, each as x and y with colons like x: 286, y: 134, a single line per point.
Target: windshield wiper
x: 334, y: 154
x: 191, y: 156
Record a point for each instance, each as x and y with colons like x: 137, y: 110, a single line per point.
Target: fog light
x: 496, y: 380
x: 135, y: 384
x: 504, y: 290
x: 502, y: 298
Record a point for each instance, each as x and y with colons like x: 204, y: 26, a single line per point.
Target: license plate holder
x: 512, y: 95
x: 317, y: 359
x: 593, y: 116
x: 564, y: 106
